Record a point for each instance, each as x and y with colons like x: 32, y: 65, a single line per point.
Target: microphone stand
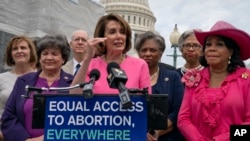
x: 40, y: 90
x: 143, y: 91
x: 27, y: 95
x: 37, y: 90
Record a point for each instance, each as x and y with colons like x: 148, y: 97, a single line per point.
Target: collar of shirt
x: 75, y: 63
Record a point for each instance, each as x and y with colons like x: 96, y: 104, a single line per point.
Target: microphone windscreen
x: 112, y: 65
x: 95, y: 73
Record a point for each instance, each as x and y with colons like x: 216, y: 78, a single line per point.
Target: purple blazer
x: 13, y: 122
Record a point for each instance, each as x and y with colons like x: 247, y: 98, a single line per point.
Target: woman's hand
x: 81, y: 74
x: 152, y: 136
x: 92, y: 46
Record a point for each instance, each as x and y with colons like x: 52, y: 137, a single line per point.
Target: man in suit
x: 78, y: 45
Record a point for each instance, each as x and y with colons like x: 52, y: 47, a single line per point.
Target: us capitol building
x: 36, y: 18
x: 136, y: 12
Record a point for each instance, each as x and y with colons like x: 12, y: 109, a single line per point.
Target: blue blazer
x: 169, y: 82
x: 13, y: 122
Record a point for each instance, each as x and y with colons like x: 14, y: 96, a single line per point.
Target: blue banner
x: 101, y: 118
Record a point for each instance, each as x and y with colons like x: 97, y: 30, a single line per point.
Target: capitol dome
x: 136, y: 12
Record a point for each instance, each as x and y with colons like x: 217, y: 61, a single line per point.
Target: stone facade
x: 36, y: 18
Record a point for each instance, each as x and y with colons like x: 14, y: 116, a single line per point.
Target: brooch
x: 191, y: 78
x: 245, y: 75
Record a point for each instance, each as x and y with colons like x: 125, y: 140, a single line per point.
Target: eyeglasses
x: 194, y: 46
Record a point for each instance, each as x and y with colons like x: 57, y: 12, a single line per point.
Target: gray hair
x: 150, y: 35
x: 184, y: 36
x: 55, y: 41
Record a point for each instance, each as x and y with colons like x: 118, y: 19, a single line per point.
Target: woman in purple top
x: 111, y: 43
x: 53, y: 52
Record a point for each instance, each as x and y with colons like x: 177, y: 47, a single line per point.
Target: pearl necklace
x: 184, y: 70
x: 155, y: 74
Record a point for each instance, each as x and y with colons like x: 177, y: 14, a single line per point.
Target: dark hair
x: 35, y: 40
x: 235, y: 60
x: 101, y: 26
x: 57, y: 41
x: 13, y: 42
x: 150, y: 35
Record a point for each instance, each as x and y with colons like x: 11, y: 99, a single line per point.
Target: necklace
x: 155, y: 74
x: 184, y: 70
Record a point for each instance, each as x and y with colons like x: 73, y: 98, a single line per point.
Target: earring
x: 229, y: 62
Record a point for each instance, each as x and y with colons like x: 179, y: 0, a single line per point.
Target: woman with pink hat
x: 219, y: 95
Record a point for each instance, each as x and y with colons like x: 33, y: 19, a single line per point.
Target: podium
x: 73, y: 117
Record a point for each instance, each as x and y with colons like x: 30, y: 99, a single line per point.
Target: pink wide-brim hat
x: 225, y: 29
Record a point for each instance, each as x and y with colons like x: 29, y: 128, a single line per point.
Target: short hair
x: 13, y: 42
x: 101, y: 26
x: 57, y: 41
x: 235, y: 60
x: 150, y: 35
x: 184, y: 36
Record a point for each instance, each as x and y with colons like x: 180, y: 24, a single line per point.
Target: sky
x: 202, y: 14
x: 191, y: 14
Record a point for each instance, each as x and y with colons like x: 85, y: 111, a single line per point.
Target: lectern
x: 73, y: 117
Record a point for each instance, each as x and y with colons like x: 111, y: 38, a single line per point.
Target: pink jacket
x: 207, y: 113
x: 136, y: 70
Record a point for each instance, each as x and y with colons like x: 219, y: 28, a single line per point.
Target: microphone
x: 39, y: 90
x: 88, y: 88
x: 30, y: 89
x: 117, y: 78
